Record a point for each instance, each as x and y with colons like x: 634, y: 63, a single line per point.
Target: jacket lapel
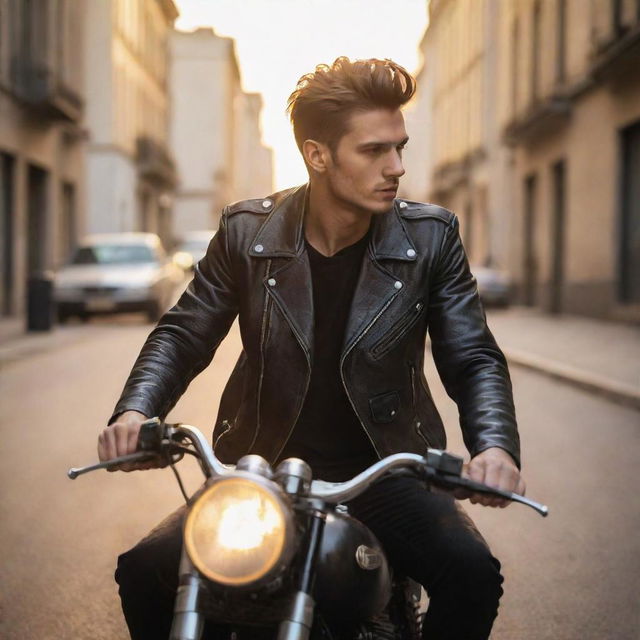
x: 377, y: 286
x: 289, y: 283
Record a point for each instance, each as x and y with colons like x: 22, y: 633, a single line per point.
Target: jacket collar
x: 282, y: 234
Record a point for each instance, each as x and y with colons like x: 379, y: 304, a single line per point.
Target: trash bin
x: 40, y: 302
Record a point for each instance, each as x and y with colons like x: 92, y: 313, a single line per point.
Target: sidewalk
x: 16, y: 343
x: 600, y: 357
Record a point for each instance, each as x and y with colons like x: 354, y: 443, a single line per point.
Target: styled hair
x: 323, y: 101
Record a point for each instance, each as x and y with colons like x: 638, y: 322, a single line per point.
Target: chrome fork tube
x: 187, y: 620
x: 299, y: 620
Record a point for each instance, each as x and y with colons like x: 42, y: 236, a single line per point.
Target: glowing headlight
x: 236, y: 533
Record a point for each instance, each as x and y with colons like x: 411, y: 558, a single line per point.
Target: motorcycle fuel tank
x: 353, y: 581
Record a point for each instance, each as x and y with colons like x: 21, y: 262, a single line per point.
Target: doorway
x: 629, y: 270
x: 558, y: 176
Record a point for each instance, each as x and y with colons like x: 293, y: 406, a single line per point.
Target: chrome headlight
x: 239, y: 532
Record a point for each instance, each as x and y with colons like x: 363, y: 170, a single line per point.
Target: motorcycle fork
x: 188, y: 621
x: 299, y: 619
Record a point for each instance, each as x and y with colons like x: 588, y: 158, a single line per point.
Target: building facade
x: 215, y: 132
x: 42, y: 141
x: 570, y: 111
x: 130, y: 172
x: 535, y: 111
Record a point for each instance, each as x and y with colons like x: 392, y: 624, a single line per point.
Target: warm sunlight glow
x: 277, y: 41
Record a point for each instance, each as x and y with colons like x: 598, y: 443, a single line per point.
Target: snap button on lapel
x: 272, y: 282
x: 258, y: 248
x: 403, y: 205
x: 411, y: 253
x: 398, y: 284
x: 266, y: 203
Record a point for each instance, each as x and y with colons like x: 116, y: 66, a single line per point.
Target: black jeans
x: 427, y: 536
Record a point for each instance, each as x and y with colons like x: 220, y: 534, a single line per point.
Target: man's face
x: 365, y: 168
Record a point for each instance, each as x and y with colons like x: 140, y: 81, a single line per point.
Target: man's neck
x: 330, y: 227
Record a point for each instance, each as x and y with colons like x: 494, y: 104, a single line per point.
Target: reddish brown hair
x: 323, y: 101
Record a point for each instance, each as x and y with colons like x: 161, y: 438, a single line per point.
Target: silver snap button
x: 266, y: 203
x: 258, y: 248
x: 398, y: 284
x: 271, y: 281
x: 393, y: 413
x: 403, y: 205
x: 411, y: 253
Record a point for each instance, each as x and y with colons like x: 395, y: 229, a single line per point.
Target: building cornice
x: 617, y: 60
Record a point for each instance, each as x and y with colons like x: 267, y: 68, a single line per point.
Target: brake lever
x: 151, y: 441
x: 445, y: 469
x: 138, y: 456
x: 477, y: 487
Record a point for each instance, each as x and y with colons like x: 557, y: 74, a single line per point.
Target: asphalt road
x: 574, y: 575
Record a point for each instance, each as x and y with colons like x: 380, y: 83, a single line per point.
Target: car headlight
x: 238, y: 532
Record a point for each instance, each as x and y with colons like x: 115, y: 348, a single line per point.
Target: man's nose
x: 394, y: 168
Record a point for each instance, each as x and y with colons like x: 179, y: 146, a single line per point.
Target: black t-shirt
x: 328, y: 434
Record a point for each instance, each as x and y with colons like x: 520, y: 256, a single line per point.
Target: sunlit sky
x: 277, y: 41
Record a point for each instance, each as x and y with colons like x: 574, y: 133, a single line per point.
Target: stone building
x: 215, y: 131
x: 535, y: 110
x: 130, y: 171
x: 42, y: 142
x: 570, y: 111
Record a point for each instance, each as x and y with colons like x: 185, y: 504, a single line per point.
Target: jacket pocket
x: 397, y: 331
x: 385, y: 406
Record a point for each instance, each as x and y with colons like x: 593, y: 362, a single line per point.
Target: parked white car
x: 116, y: 272
x: 192, y: 247
x: 494, y: 286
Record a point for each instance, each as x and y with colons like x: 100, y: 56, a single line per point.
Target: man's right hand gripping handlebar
x: 120, y: 438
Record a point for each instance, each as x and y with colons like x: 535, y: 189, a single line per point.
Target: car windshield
x: 114, y: 254
x: 194, y: 245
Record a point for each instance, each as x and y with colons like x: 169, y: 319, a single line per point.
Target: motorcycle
x: 269, y: 550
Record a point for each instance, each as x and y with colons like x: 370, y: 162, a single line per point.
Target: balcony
x: 448, y: 175
x: 542, y: 118
x: 154, y: 162
x: 38, y: 86
x: 618, y: 58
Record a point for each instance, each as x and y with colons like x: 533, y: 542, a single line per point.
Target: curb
x: 617, y: 392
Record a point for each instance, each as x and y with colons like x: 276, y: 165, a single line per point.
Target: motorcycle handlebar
x: 439, y: 468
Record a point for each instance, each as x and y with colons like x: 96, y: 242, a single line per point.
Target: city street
x: 572, y: 576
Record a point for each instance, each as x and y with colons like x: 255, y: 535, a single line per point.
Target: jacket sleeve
x: 472, y: 367
x: 187, y: 336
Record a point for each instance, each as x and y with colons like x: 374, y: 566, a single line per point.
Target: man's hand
x: 121, y: 438
x: 496, y: 468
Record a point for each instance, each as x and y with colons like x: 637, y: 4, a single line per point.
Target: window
x: 561, y: 43
x: 535, y: 51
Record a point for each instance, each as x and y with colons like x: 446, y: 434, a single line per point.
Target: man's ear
x: 316, y: 155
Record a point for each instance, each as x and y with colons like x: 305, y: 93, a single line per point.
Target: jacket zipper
x: 413, y: 395
x: 400, y: 329
x: 344, y: 383
x: 227, y: 426
x: 263, y: 334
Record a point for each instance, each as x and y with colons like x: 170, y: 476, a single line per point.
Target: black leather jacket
x: 414, y: 277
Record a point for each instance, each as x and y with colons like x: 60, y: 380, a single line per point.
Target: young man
x: 335, y: 284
